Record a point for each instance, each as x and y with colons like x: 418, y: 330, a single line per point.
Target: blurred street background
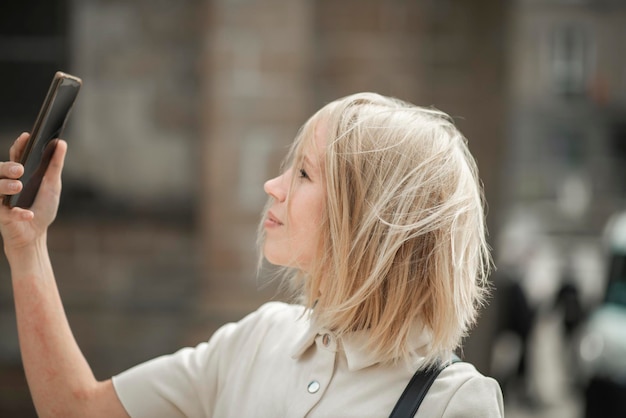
x: 188, y: 106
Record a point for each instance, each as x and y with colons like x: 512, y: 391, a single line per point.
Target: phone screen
x: 44, y: 137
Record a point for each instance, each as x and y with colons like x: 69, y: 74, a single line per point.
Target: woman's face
x: 292, y: 232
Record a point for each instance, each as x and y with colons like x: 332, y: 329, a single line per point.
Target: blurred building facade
x: 566, y: 138
x: 565, y: 159
x: 189, y: 106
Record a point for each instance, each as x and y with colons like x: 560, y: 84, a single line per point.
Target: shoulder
x: 279, y: 310
x: 270, y: 322
x: 461, y: 391
x: 273, y: 315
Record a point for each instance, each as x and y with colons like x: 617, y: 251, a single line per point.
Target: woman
x: 378, y: 222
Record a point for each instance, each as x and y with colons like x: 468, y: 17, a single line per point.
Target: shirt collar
x: 305, y: 341
x: 353, y: 345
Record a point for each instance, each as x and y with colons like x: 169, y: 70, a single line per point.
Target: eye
x: 303, y: 174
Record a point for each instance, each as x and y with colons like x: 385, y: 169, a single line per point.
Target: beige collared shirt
x: 274, y: 363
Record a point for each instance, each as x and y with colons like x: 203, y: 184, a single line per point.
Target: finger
x: 16, y: 214
x: 11, y: 170
x: 12, y: 213
x: 58, y: 160
x: 10, y: 187
x: 17, y: 149
x: 52, y: 178
x: 25, y: 214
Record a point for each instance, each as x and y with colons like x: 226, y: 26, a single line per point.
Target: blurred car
x: 602, y: 341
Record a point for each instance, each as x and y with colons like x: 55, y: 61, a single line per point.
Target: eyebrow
x: 310, y: 165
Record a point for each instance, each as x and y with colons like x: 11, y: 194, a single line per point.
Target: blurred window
x: 570, y: 55
x: 33, y: 45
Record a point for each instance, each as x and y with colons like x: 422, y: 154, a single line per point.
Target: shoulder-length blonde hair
x: 404, y: 235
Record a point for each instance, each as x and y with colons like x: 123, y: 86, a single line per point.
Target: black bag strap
x: 416, y: 390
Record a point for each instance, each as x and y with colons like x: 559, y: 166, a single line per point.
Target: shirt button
x: 313, y: 387
x: 326, y: 340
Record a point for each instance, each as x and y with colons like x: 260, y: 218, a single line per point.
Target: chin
x: 271, y: 258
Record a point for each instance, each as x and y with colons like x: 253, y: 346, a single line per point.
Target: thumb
x: 53, y: 173
x: 50, y: 190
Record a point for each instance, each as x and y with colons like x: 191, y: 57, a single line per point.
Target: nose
x: 276, y: 188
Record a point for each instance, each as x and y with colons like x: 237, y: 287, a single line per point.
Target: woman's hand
x: 22, y: 227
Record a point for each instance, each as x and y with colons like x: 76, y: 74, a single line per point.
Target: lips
x: 272, y: 219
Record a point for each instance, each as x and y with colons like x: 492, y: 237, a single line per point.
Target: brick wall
x: 134, y: 131
x: 258, y: 91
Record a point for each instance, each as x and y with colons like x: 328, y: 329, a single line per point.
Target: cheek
x: 315, y: 222
x: 305, y: 223
x: 313, y: 210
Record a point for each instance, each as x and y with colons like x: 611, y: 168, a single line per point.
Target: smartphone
x: 43, y: 139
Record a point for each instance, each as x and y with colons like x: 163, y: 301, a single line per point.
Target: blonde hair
x: 404, y: 235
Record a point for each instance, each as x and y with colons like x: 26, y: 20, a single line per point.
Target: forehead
x: 312, y: 141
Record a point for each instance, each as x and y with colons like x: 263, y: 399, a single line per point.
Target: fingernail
x: 14, y: 169
x: 14, y: 185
